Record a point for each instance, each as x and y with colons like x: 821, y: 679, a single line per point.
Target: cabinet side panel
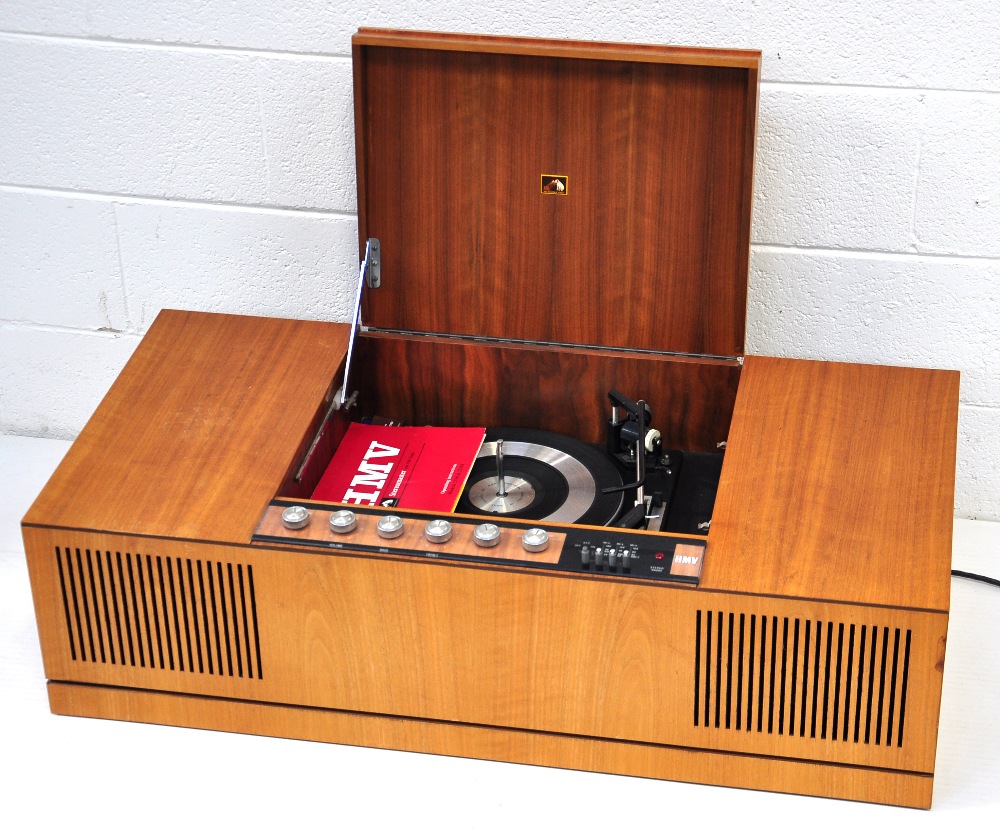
x: 59, y: 615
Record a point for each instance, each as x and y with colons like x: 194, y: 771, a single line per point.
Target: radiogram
x: 556, y: 239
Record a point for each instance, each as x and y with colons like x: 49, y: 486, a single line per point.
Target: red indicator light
x: 659, y: 556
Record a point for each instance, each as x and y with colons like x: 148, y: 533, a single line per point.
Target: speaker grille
x: 801, y: 677
x: 175, y: 614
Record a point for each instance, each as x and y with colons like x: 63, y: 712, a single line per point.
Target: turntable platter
x: 547, y: 477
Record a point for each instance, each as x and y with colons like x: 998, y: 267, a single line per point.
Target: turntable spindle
x: 529, y: 473
x: 501, y: 483
x: 500, y: 493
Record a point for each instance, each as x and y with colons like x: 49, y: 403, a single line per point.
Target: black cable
x: 976, y: 577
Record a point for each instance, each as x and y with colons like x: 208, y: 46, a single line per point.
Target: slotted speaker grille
x: 801, y: 677
x: 176, y: 614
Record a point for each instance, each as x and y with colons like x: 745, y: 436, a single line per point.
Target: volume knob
x: 343, y: 521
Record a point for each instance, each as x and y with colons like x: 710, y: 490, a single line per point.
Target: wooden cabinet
x: 809, y: 656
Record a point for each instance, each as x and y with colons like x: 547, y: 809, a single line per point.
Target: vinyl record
x: 548, y: 477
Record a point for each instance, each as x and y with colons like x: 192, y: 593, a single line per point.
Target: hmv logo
x: 367, y: 485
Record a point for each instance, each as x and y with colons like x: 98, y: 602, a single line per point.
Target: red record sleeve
x: 413, y: 467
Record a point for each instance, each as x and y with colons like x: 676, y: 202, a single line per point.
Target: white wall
x: 199, y: 154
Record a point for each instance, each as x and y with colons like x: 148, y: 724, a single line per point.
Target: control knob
x: 343, y: 521
x: 486, y: 535
x: 437, y: 531
x: 295, y: 518
x: 389, y: 526
x: 535, y: 540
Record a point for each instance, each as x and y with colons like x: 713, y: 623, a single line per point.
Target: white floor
x: 69, y: 771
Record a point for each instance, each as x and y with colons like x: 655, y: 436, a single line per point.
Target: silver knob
x: 535, y: 540
x: 389, y: 526
x: 343, y: 521
x: 486, y: 535
x: 295, y: 518
x: 437, y: 531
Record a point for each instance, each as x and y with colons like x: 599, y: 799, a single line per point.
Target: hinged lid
x: 560, y: 192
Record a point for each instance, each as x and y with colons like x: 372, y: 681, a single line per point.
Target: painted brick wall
x: 199, y: 154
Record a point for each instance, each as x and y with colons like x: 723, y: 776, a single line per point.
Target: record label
x: 547, y: 477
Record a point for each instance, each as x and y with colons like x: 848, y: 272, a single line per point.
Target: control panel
x: 577, y: 549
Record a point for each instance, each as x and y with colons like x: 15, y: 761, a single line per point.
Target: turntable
x: 669, y: 560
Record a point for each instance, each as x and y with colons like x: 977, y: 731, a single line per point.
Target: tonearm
x: 640, y: 440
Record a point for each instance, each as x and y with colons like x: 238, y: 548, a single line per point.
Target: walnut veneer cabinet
x: 809, y: 656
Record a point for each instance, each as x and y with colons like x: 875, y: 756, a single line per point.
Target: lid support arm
x: 370, y: 272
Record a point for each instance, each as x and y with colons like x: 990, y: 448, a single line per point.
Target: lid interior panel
x: 647, y: 248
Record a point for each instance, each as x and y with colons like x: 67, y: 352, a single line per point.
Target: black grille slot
x: 801, y: 677
x: 174, y: 614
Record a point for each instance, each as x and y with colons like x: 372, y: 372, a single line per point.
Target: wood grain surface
x: 481, y: 645
x: 649, y: 248
x: 499, y: 646
x: 513, y: 746
x: 424, y: 381
x: 838, y: 483
x: 549, y: 47
x: 200, y: 429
